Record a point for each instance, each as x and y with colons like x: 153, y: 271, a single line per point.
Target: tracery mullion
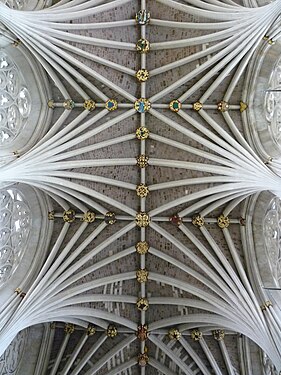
x: 252, y: 160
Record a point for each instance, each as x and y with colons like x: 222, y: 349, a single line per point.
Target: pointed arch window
x: 273, y: 102
x: 15, y: 226
x: 272, y: 237
x: 15, y: 100
x: 27, y: 4
x: 24, y: 94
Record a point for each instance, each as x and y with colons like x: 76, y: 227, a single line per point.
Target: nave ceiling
x: 133, y: 207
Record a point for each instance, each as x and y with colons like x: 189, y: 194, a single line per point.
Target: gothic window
x: 272, y: 236
x: 26, y: 4
x: 10, y: 360
x: 15, y: 100
x: 273, y: 102
x: 15, y: 224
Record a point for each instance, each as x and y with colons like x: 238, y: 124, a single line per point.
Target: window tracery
x: 273, y: 102
x: 26, y: 4
x: 15, y: 224
x: 269, y: 368
x: 272, y: 236
x: 15, y: 4
x: 11, y: 358
x: 15, y: 100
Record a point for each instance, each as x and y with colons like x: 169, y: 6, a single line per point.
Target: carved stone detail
x: 223, y: 221
x: 111, y: 331
x: 89, y: 217
x: 198, y: 221
x: 142, y: 219
x: 68, y: 216
x: 174, y: 334
x: 142, y: 332
x: 142, y: 275
x: 196, y: 335
x: 142, y: 304
x: 69, y: 328
x: 142, y: 191
x: 218, y: 334
x: 142, y: 247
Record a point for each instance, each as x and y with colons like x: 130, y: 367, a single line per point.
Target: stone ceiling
x: 146, y: 229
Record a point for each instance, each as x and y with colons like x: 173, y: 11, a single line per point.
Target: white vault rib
x: 230, y: 167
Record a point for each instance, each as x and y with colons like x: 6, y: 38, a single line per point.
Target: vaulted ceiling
x: 132, y: 172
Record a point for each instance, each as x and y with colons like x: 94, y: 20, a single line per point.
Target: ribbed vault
x: 147, y: 165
